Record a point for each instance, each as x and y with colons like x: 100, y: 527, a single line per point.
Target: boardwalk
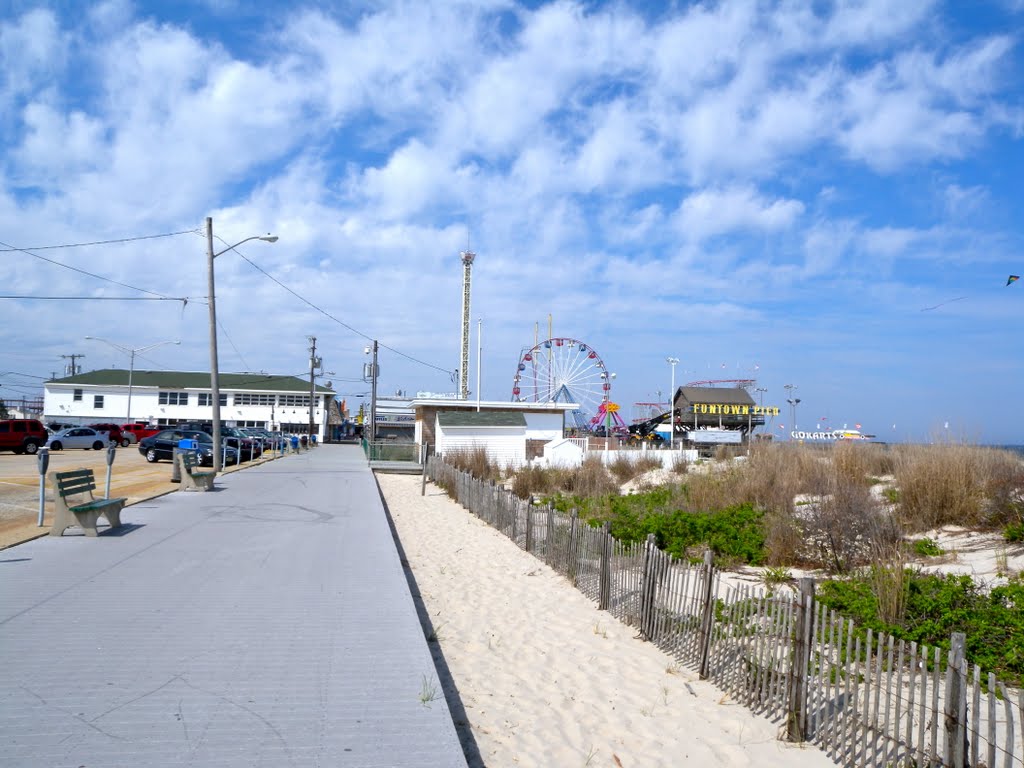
x: 266, y: 623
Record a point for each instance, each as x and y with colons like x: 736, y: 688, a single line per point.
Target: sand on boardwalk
x: 545, y: 678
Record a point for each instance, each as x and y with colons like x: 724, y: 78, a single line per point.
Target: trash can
x: 295, y: 443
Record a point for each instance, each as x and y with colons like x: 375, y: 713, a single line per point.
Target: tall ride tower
x: 467, y: 282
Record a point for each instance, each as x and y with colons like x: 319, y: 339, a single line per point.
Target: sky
x: 826, y: 195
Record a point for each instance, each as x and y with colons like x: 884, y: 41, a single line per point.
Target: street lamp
x: 214, y: 373
x: 761, y: 391
x: 131, y: 352
x: 372, y: 375
x: 790, y: 388
x: 672, y: 403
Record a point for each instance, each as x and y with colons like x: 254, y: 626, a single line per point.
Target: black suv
x: 22, y: 435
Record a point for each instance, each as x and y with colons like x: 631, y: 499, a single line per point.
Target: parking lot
x: 132, y: 477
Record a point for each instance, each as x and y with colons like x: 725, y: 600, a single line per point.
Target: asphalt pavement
x: 265, y: 623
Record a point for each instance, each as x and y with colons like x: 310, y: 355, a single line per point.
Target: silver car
x: 78, y: 437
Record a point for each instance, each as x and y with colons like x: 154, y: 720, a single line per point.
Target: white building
x: 166, y: 398
x: 511, y: 432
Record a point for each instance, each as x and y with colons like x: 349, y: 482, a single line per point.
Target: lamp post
x: 760, y: 391
x: 214, y: 373
x: 372, y: 371
x: 672, y: 404
x: 790, y: 388
x: 131, y: 352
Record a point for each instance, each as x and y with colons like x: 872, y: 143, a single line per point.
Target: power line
x: 10, y: 247
x: 99, y: 242
x: 182, y: 299
x: 328, y: 315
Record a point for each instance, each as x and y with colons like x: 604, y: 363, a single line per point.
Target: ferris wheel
x: 563, y: 370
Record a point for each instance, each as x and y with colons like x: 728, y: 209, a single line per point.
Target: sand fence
x: 864, y: 698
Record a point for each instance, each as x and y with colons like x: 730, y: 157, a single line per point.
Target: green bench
x: 75, y: 504
x: 192, y: 480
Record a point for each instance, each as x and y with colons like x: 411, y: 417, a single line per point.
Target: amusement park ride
x: 566, y: 370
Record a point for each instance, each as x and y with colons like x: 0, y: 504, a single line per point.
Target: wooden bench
x: 75, y: 504
x: 191, y: 480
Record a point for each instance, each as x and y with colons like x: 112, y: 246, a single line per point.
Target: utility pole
x: 314, y: 363
x: 372, y: 372
x: 73, y: 368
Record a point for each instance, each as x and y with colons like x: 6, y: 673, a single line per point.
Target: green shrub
x: 1014, y: 532
x: 926, y: 548
x: 735, y: 534
x: 937, y: 605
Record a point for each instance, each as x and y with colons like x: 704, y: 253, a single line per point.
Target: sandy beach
x: 548, y: 680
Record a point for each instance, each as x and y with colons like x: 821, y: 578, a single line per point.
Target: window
x: 248, y: 399
x: 173, y: 398
x: 206, y: 399
x: 97, y: 401
x: 78, y: 396
x: 294, y: 401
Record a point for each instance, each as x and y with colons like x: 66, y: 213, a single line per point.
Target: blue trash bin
x: 295, y: 442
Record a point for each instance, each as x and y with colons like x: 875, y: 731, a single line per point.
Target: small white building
x: 511, y: 432
x: 166, y: 398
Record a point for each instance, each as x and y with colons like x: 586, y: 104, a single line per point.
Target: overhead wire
x: 99, y: 242
x: 328, y: 315
x: 183, y: 299
x: 7, y: 247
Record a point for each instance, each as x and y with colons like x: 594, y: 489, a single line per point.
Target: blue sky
x: 820, y: 194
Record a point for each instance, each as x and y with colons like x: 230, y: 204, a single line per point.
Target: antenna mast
x: 467, y: 282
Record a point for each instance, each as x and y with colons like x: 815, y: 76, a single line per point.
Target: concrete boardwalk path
x: 265, y: 623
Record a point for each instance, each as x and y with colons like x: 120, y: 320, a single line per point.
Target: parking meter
x: 111, y: 452
x: 43, y: 460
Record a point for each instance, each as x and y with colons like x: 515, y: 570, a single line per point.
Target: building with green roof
x: 166, y: 398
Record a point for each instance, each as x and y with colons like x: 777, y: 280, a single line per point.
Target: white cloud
x: 737, y: 209
x: 31, y: 52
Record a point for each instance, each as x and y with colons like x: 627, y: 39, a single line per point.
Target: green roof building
x: 166, y: 398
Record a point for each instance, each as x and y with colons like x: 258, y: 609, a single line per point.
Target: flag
x: 1012, y: 279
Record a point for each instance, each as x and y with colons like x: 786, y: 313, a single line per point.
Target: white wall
x: 544, y: 426
x: 59, y: 405
x: 563, y: 455
x: 505, y: 446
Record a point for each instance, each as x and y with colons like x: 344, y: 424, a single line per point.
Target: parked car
x: 261, y: 436
x: 160, y: 447
x: 86, y: 438
x: 139, y: 430
x: 116, y: 436
x: 248, y: 448
x: 22, y: 435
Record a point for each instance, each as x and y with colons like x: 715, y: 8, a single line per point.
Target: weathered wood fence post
x: 707, y: 613
x: 648, y: 587
x: 423, y: 459
x: 796, y: 710
x: 955, y: 705
x: 571, y: 561
x: 604, y: 588
x: 550, y: 538
x: 529, y: 524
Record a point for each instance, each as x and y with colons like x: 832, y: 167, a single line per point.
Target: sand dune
x: 548, y: 680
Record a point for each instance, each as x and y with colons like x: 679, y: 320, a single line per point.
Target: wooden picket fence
x: 864, y: 698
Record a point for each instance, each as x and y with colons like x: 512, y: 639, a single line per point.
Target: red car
x: 140, y: 429
x: 114, y: 433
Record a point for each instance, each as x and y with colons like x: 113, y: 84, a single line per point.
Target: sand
x: 548, y: 680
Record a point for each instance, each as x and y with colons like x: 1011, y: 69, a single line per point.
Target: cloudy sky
x: 826, y: 194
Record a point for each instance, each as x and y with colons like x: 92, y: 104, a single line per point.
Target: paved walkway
x: 265, y: 623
